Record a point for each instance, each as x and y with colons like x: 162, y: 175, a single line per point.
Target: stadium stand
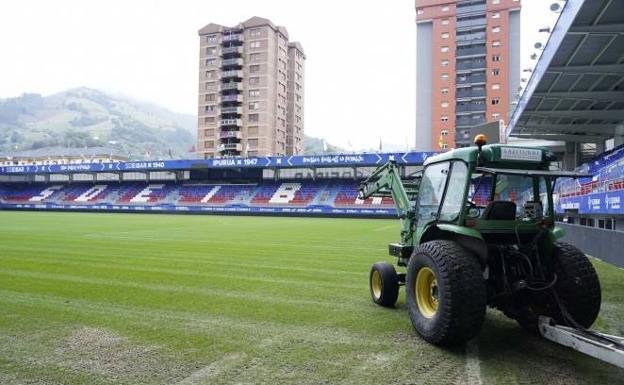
x: 331, y: 194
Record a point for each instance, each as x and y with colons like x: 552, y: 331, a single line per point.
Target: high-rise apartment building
x: 251, y: 81
x: 468, y: 68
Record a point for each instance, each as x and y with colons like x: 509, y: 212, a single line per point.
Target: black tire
x: 461, y: 293
x: 577, y: 284
x: 577, y: 288
x: 384, y: 284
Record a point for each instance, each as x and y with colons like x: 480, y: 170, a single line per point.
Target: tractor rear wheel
x: 577, y: 288
x: 445, y: 293
x: 384, y: 284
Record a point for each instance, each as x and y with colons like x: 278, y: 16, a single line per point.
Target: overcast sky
x: 360, y: 69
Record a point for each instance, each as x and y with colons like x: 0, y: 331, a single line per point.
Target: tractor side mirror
x: 473, y: 212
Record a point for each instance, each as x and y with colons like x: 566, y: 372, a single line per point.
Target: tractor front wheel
x: 384, y: 284
x: 445, y: 293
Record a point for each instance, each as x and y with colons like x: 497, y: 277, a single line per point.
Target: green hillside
x: 84, y: 117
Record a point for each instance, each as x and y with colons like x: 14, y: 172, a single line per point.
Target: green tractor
x: 477, y: 230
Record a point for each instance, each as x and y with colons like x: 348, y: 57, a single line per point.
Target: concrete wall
x: 599, y: 243
x: 424, y: 74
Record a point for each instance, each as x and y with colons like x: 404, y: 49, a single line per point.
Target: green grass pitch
x: 166, y: 299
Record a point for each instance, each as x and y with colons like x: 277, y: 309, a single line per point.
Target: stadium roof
x: 576, y: 91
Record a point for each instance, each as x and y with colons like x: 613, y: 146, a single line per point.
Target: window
x: 444, y: 119
x: 496, y: 29
x: 495, y: 115
x: 420, y: 11
x: 210, y: 74
x: 454, y: 198
x: 443, y: 145
x: 495, y: 1
x: 254, y: 57
x: 254, y: 105
x: 444, y: 76
x: 496, y: 43
x: 254, y: 93
x: 496, y: 58
x: 211, y: 38
x: 211, y: 97
x: 444, y: 104
x: 211, y: 62
x: 496, y: 86
x: 254, y: 44
x: 444, y: 49
x: 254, y: 68
x: 495, y: 15
x: 444, y: 133
x: 254, y: 80
x: 209, y: 119
x: 211, y: 86
x: 211, y: 51
x: 209, y: 108
x: 431, y: 191
x: 444, y: 91
x: 256, y: 32
x: 252, y: 117
x: 445, y: 35
x: 445, y: 21
x: 495, y: 101
x: 495, y: 72
x: 444, y: 63
x: 445, y: 8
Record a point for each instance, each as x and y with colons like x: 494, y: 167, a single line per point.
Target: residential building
x: 468, y: 68
x: 251, y: 91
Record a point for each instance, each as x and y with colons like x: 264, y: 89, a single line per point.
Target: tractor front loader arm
x: 386, y: 181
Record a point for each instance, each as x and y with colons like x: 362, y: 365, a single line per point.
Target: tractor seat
x: 500, y: 210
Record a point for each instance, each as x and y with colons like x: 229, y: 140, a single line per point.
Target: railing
x: 469, y: 94
x: 230, y: 146
x: 470, y: 65
x: 234, y: 37
x: 231, y: 110
x: 230, y: 134
x: 470, y: 107
x: 470, y: 8
x: 230, y: 50
x: 231, y: 98
x: 232, y: 74
x: 232, y: 86
x: 229, y: 62
x: 469, y: 51
x: 470, y: 22
x: 471, y: 79
x: 231, y: 122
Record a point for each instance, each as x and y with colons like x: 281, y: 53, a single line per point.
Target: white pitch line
x: 473, y: 368
x: 203, y: 375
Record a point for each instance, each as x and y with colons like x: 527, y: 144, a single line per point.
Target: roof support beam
x: 589, y: 114
x: 599, y: 129
x: 599, y: 28
x: 616, y: 96
x: 612, y: 69
x: 561, y: 137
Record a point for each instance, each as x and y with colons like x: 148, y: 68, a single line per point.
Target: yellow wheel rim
x: 426, y: 290
x: 376, y: 284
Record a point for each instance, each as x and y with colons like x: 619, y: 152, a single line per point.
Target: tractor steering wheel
x: 472, y: 207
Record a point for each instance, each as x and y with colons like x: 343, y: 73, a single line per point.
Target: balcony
x: 231, y: 135
x: 231, y: 110
x: 232, y: 98
x: 470, y: 65
x: 231, y: 86
x: 232, y: 62
x: 232, y: 38
x: 230, y: 147
x: 478, y: 22
x: 232, y: 74
x: 469, y: 93
x: 230, y: 122
x: 231, y: 50
x: 469, y: 121
x: 470, y: 79
x: 470, y: 51
x: 470, y: 107
x: 470, y: 8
